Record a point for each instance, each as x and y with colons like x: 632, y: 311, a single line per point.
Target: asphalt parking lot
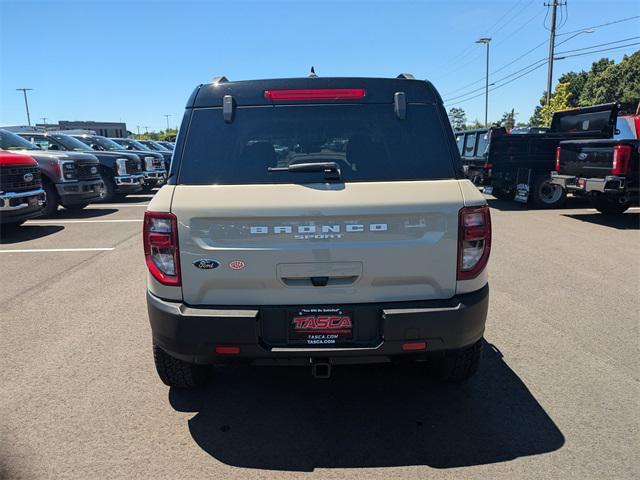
x: 557, y: 396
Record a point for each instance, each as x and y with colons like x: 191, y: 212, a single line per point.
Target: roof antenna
x: 312, y: 73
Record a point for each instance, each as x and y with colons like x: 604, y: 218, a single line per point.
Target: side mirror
x: 53, y: 146
x: 95, y: 146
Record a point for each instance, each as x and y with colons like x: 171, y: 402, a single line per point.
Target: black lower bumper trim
x: 192, y: 333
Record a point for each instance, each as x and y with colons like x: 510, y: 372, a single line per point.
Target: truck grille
x: 12, y: 179
x: 134, y: 166
x: 84, y: 171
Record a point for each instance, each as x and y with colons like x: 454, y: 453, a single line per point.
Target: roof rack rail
x: 221, y: 79
x: 406, y: 76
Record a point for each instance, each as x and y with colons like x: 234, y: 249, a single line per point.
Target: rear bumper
x: 83, y: 191
x: 609, y: 184
x: 192, y: 334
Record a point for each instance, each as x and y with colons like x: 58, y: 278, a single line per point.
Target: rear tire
x: 459, y: 365
x: 52, y: 199
x: 546, y: 194
x: 178, y: 373
x: 608, y: 205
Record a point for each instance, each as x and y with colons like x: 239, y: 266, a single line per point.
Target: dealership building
x: 107, y: 129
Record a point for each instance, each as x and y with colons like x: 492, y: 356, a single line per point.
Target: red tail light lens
x: 474, y: 241
x: 315, y: 94
x: 558, y: 153
x: 621, y: 159
x: 160, y: 239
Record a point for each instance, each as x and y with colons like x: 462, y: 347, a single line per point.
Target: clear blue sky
x: 136, y: 61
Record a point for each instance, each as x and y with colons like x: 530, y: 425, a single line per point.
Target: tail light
x: 558, y: 151
x: 621, y: 158
x: 474, y: 241
x: 315, y: 94
x: 488, y: 167
x: 160, y: 238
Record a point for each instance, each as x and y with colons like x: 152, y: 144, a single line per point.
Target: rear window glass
x: 483, y: 143
x: 469, y: 145
x: 368, y: 142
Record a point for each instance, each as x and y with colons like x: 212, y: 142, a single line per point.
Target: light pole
x: 167, y: 117
x: 486, y: 41
x: 44, y: 120
x: 146, y: 129
x: 26, y: 103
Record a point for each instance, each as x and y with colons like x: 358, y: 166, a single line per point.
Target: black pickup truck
x: 518, y: 166
x: 607, y: 171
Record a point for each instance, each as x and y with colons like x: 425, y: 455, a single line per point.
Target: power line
x: 597, y: 51
x: 599, y: 45
x: 601, y: 25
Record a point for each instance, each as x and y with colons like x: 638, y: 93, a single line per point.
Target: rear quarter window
x: 367, y: 141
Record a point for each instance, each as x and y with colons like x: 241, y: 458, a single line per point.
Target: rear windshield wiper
x: 331, y: 169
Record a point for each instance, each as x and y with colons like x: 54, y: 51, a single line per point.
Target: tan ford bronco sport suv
x: 318, y: 222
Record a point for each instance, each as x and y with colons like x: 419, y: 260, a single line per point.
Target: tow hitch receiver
x: 320, y: 368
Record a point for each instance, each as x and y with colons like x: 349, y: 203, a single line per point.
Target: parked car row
x: 69, y: 171
x: 587, y: 151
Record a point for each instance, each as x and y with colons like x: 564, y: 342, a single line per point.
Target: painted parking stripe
x: 44, y: 250
x: 56, y: 222
x: 116, y: 205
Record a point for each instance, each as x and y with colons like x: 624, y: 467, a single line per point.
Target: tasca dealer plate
x: 320, y: 326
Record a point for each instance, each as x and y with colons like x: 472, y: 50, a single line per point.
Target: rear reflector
x: 227, y: 350
x: 315, y: 94
x: 413, y: 346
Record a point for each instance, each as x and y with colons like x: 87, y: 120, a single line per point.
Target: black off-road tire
x: 177, y: 373
x: 608, y: 205
x: 459, y: 365
x: 147, y: 188
x: 544, y: 194
x: 52, y: 200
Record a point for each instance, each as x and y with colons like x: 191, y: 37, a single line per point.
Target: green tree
x: 508, y: 119
x: 458, y: 118
x: 559, y: 101
x: 476, y: 124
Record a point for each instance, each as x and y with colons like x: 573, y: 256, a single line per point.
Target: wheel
x: 110, y: 194
x: 459, y: 365
x: 75, y: 208
x: 608, y: 205
x: 52, y: 199
x: 546, y: 194
x: 146, y: 188
x: 178, y: 373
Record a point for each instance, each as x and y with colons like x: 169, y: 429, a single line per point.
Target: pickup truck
x: 21, y: 193
x: 70, y: 179
x: 121, y: 172
x: 153, y: 172
x: 332, y: 226
x: 137, y: 147
x: 604, y: 170
x: 518, y: 166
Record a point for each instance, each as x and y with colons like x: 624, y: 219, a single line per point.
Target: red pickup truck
x: 604, y: 170
x: 21, y: 193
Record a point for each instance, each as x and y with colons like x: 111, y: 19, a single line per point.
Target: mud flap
x: 523, y: 181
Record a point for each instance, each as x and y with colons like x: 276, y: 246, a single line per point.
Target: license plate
x: 320, y: 326
x: 488, y: 190
x: 581, y: 182
x: 522, y: 193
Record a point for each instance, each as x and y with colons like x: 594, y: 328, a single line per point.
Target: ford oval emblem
x: 94, y: 170
x: 28, y: 177
x: 205, y: 264
x: 582, y: 156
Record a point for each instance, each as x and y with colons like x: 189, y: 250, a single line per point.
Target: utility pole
x: 486, y: 41
x: 44, y: 120
x: 26, y: 103
x: 167, y: 117
x: 138, y: 127
x: 146, y: 130
x: 552, y: 43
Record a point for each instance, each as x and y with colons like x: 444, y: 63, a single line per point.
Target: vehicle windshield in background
x: 11, y: 141
x: 103, y: 142
x: 132, y: 144
x: 155, y: 146
x: 368, y: 142
x: 71, y: 143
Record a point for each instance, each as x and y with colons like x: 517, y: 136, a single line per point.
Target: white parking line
x: 42, y: 250
x: 56, y: 222
x: 116, y: 205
